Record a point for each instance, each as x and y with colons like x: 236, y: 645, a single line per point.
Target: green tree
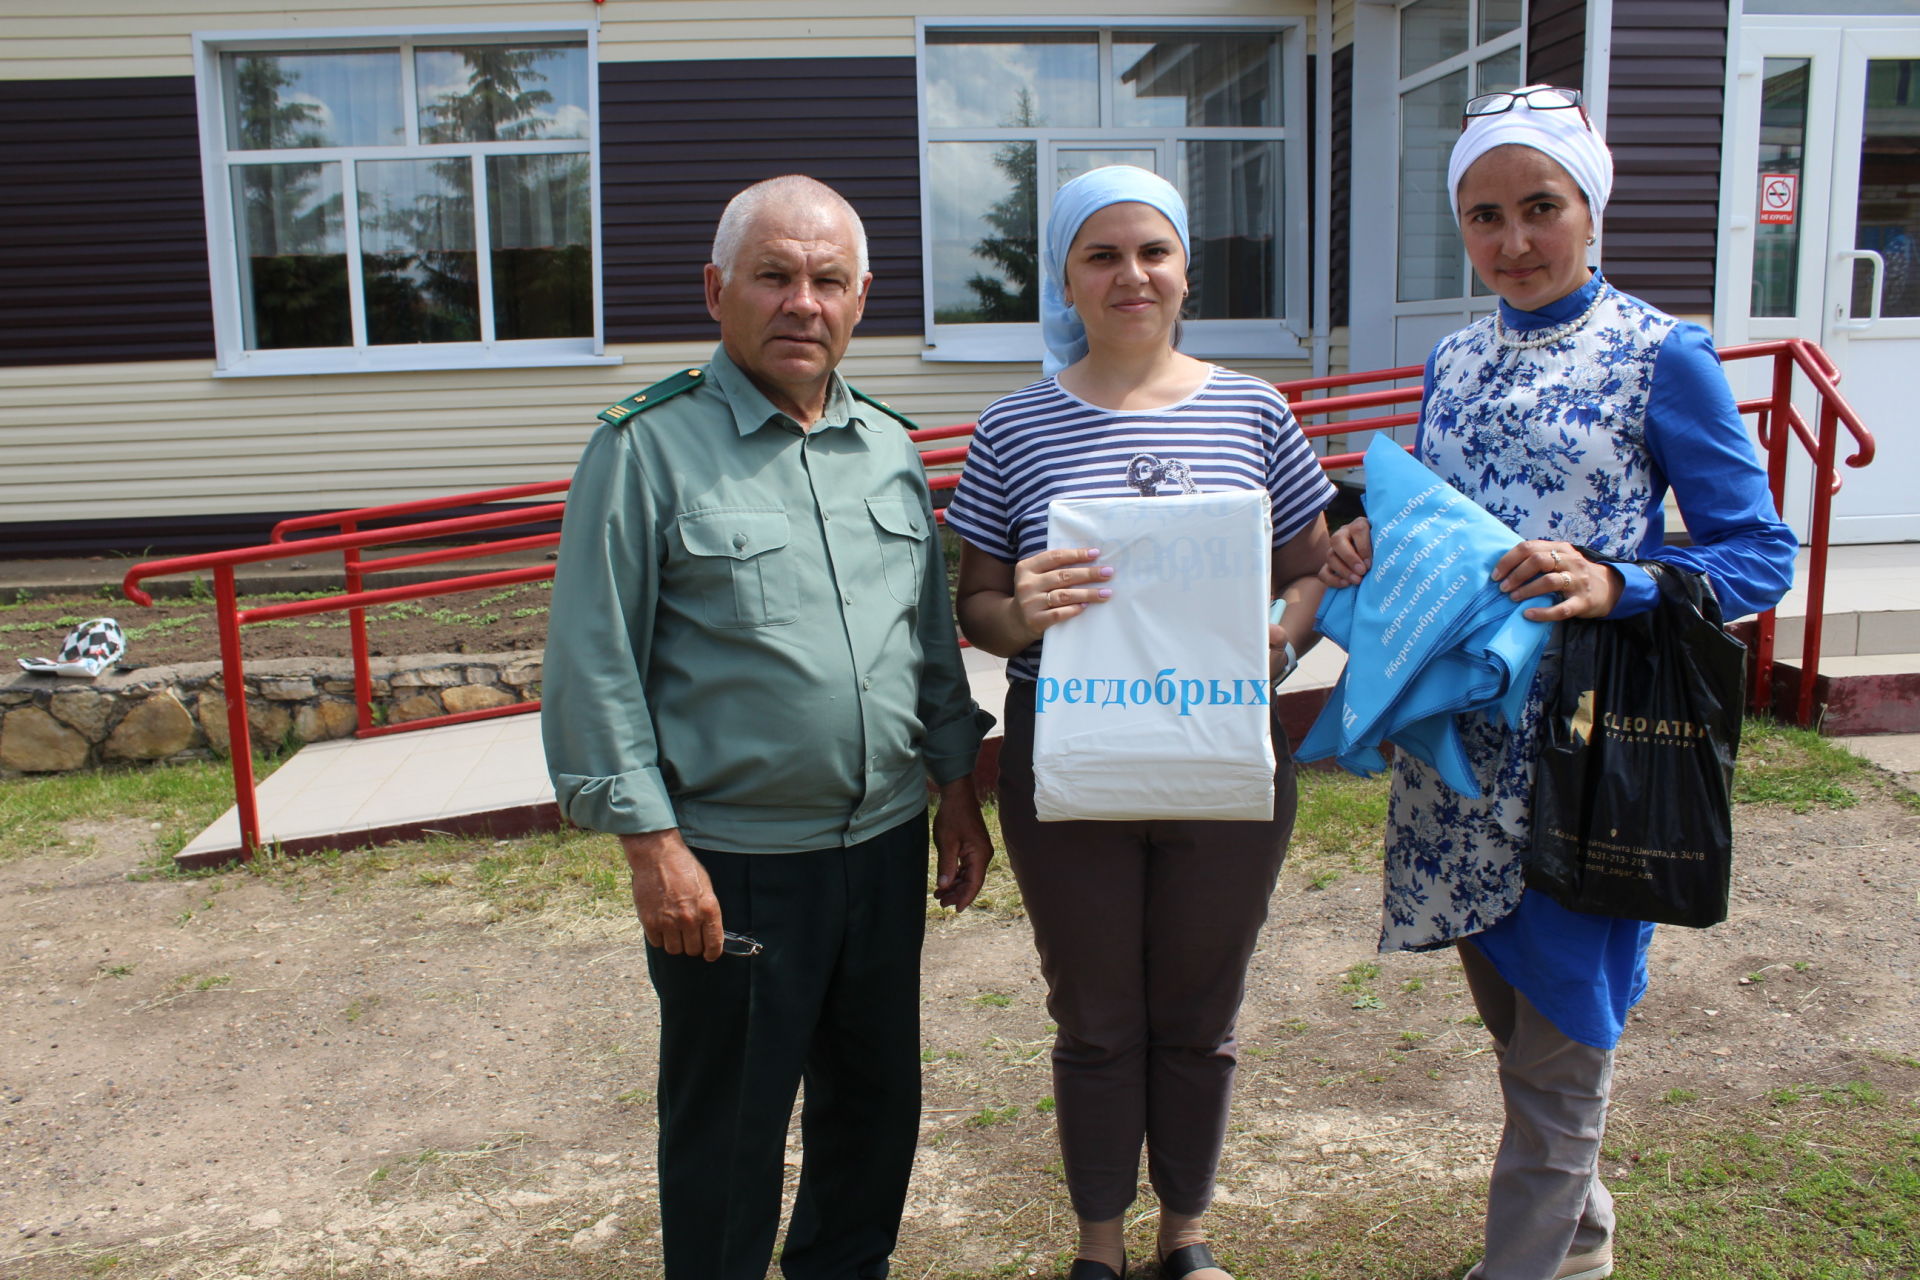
x: 500, y: 102
x: 268, y: 118
x: 1014, y: 294
x: 293, y: 273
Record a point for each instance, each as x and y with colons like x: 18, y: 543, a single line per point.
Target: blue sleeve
x: 1701, y: 449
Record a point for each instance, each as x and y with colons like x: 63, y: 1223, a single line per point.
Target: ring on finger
x: 1568, y: 579
x: 1556, y: 558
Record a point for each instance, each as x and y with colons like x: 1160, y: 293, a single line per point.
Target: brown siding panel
x: 1340, y: 224
x: 1557, y: 43
x: 1664, y: 117
x: 678, y: 139
x: 103, y: 252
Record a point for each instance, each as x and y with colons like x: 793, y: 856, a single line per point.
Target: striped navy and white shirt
x: 1042, y: 442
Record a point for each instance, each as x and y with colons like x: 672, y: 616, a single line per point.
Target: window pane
x: 1783, y: 149
x: 984, y: 240
x: 496, y: 93
x: 1217, y: 80
x: 541, y: 234
x: 1497, y: 17
x: 1430, y: 252
x: 293, y: 260
x: 1431, y: 31
x: 1232, y: 191
x: 280, y: 100
x: 416, y: 249
x: 1070, y: 162
x: 1501, y: 71
x: 1888, y: 217
x: 1012, y: 78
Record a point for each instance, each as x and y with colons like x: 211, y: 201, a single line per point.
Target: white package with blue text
x: 1153, y: 703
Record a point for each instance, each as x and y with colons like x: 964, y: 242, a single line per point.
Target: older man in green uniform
x: 751, y: 673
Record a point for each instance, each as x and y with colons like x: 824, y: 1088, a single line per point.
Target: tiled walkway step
x: 490, y: 775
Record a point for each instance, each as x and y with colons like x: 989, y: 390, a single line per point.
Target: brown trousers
x: 1144, y: 931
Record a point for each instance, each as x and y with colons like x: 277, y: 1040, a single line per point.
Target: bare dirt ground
x: 323, y: 1073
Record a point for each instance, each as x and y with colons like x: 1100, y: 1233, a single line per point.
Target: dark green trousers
x: 833, y: 1001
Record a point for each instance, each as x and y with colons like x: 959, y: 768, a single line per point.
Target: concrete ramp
x: 484, y: 777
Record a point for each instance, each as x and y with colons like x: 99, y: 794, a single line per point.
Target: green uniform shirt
x: 751, y: 637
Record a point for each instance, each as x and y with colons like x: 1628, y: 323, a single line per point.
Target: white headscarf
x: 1559, y: 133
x: 1073, y: 204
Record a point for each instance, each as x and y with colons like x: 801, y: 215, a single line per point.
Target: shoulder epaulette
x: 884, y: 407
x: 657, y: 394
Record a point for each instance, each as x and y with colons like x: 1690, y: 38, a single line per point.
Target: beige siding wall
x: 1342, y: 23
x: 142, y: 38
x: 143, y: 440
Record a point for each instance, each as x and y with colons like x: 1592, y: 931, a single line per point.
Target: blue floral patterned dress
x: 1573, y: 439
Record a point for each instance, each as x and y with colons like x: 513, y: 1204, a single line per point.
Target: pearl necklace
x: 1550, y: 335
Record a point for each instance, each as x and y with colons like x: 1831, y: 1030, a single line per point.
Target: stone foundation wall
x: 54, y: 724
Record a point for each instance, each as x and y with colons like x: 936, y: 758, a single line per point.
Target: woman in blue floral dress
x: 1568, y: 414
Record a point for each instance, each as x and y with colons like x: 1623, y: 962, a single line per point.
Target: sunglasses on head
x: 1539, y: 98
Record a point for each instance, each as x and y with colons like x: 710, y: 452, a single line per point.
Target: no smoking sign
x: 1779, y: 194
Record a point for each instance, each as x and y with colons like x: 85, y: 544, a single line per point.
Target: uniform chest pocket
x: 901, y: 527
x: 739, y: 564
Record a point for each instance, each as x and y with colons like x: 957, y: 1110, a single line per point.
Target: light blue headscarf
x: 1073, y: 204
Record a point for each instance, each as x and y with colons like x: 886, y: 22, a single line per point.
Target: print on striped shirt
x: 1147, y: 473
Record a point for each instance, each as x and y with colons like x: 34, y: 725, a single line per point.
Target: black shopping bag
x: 1633, y: 799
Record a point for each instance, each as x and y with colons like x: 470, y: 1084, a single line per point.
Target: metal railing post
x: 357, y: 638
x: 1773, y: 426
x: 239, y: 735
x: 1824, y: 476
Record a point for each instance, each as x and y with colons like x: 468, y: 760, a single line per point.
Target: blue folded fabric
x: 1428, y: 633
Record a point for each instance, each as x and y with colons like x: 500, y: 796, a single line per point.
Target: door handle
x: 1843, y: 314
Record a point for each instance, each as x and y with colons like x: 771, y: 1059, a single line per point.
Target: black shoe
x: 1088, y: 1269
x: 1186, y: 1261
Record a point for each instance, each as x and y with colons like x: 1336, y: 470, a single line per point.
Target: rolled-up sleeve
x: 1701, y: 448
x: 953, y: 721
x: 594, y: 720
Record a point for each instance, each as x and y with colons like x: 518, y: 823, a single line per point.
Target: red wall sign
x: 1779, y: 195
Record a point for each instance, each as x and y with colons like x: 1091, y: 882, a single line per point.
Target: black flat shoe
x: 1088, y: 1269
x: 1186, y: 1261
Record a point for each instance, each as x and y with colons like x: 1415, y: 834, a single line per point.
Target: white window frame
x: 1476, y: 300
x: 231, y: 357
x: 1278, y: 337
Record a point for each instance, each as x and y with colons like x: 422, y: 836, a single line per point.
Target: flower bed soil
x: 184, y: 630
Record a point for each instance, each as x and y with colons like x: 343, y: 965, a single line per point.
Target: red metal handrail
x: 230, y: 617
x: 1780, y: 423
x: 357, y: 569
x: 351, y: 540
x: 1832, y: 412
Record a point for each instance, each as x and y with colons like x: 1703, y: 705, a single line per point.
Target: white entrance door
x: 1824, y: 236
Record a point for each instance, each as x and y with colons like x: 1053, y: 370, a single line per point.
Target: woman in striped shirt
x: 1144, y: 928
